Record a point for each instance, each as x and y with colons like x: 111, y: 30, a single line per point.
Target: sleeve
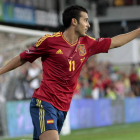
x: 36, y: 51
x: 100, y: 45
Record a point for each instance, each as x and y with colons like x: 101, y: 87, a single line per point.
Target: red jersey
x: 62, y: 63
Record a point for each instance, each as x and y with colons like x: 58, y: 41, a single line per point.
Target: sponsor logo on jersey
x: 59, y: 52
x: 81, y: 49
x: 100, y: 39
x: 50, y: 121
x: 29, y: 51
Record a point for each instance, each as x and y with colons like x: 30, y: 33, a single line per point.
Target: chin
x: 82, y: 35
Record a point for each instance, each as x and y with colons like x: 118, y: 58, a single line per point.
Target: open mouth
x: 86, y: 31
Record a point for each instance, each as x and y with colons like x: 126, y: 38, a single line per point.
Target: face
x: 83, y: 25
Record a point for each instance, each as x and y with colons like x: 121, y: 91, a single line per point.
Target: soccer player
x: 63, y: 55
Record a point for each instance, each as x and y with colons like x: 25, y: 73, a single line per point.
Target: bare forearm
x: 122, y: 39
x: 13, y: 64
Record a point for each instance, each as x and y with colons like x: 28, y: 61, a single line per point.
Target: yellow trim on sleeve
x: 91, y: 37
x: 47, y: 36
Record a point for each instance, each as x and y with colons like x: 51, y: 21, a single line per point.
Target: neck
x: 70, y: 36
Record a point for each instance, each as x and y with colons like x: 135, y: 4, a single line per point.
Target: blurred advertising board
x: 15, y: 13
x: 139, y: 105
x: 74, y: 111
x: 103, y: 112
x: 83, y: 113
x: 117, y: 111
x: 46, y: 18
x: 132, y: 110
x: 1, y: 11
x: 18, y: 14
x: 86, y: 113
x: 18, y: 118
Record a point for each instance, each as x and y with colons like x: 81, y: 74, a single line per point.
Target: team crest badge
x: 81, y: 49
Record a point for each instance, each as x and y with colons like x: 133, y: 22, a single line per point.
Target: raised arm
x: 13, y: 64
x: 122, y: 39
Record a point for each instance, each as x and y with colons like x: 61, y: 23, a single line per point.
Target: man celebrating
x: 62, y: 55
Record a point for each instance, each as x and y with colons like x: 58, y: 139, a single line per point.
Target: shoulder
x: 52, y: 36
x: 91, y: 38
x: 88, y: 38
x: 48, y: 38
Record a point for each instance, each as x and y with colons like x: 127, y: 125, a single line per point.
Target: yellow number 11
x: 72, y: 65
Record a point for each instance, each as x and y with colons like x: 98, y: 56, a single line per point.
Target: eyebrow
x: 86, y: 18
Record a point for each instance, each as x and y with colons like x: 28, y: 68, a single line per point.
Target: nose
x: 88, y: 25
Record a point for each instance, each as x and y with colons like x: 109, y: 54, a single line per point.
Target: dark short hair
x: 72, y: 12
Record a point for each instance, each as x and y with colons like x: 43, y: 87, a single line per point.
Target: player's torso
x: 64, y: 60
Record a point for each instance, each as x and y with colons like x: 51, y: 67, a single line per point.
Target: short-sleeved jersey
x: 62, y: 63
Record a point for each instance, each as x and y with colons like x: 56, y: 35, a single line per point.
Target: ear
x: 74, y: 21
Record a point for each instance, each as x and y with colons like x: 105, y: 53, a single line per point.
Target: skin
x: 49, y: 135
x: 72, y: 34
x: 77, y: 29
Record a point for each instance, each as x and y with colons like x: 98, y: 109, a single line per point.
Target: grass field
x: 117, y: 132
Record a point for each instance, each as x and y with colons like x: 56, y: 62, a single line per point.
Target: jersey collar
x: 68, y: 42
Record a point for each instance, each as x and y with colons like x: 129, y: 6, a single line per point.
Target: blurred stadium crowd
x: 123, y: 2
x: 104, y: 80
x: 96, y: 80
x: 43, y: 3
